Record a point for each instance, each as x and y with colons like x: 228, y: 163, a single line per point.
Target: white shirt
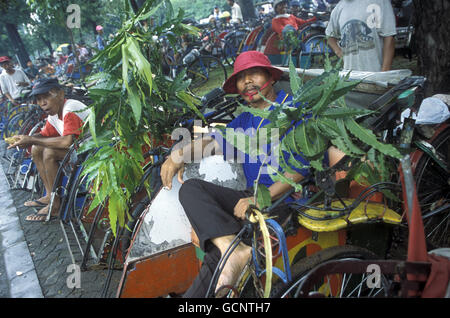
x: 8, y: 83
x: 360, y: 26
x: 236, y: 14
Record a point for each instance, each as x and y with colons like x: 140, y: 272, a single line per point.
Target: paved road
x: 34, y: 257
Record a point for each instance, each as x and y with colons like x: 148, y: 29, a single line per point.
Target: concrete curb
x: 18, y: 263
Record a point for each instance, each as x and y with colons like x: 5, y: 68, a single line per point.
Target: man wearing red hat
x: 217, y: 213
x: 11, y: 80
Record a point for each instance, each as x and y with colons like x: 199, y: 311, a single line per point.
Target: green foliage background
x: 134, y: 105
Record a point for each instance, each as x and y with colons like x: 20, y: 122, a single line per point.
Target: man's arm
x: 9, y: 97
x: 279, y: 188
x: 388, y: 53
x: 333, y: 43
x: 193, y: 152
x: 61, y: 142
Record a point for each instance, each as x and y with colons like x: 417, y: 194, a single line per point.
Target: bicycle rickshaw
x: 162, y: 259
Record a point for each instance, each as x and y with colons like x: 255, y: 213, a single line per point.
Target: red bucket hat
x: 248, y: 60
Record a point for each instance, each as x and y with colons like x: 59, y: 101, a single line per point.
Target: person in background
x: 286, y: 26
x: 216, y: 13
x: 32, y: 71
x: 83, y: 53
x: 362, y: 34
x: 236, y: 13
x: 12, y: 80
x: 295, y: 8
x: 100, y: 44
x: 261, y: 12
x: 283, y: 22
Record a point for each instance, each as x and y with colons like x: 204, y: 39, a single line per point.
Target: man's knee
x: 187, y: 189
x: 37, y: 152
x: 52, y: 155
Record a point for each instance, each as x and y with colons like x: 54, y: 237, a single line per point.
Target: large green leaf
x: 370, y: 139
x: 263, y: 197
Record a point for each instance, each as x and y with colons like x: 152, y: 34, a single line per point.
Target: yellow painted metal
x: 364, y: 212
x: 324, y: 240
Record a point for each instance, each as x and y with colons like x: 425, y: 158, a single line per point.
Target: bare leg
x: 37, y: 153
x: 51, y: 165
x: 236, y: 262
x: 46, y: 160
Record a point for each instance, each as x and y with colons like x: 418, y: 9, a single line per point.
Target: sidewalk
x: 18, y: 275
x: 34, y: 258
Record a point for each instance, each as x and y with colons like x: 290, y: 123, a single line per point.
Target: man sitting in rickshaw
x: 64, y: 123
x: 217, y: 213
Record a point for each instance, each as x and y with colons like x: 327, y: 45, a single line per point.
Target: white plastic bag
x: 432, y: 111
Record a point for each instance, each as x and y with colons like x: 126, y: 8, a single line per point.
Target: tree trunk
x: 48, y: 44
x: 16, y: 41
x: 432, y: 34
x: 247, y: 8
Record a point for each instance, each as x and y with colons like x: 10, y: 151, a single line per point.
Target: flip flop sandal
x: 35, y: 204
x: 38, y: 217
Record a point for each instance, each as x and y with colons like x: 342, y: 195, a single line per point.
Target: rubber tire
x: 303, y: 266
x: 200, y: 62
x: 429, y: 175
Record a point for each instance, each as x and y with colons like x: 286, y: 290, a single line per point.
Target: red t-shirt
x: 280, y: 21
x: 72, y: 126
x: 69, y: 123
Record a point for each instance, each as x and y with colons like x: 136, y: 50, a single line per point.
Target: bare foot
x: 233, y: 269
x: 44, y: 210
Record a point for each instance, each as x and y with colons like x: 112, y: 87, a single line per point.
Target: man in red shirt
x: 283, y: 22
x: 286, y: 26
x: 64, y: 123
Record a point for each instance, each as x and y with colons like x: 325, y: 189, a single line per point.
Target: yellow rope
x: 258, y: 217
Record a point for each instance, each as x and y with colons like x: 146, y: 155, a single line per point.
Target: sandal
x: 38, y: 217
x: 35, y: 204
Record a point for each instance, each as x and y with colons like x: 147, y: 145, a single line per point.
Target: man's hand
x: 333, y: 43
x: 20, y: 141
x: 242, y: 206
x: 23, y: 84
x: 169, y: 168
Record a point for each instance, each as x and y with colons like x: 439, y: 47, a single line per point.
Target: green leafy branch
x: 134, y: 106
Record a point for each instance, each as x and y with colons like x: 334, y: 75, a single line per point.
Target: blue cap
x: 44, y: 85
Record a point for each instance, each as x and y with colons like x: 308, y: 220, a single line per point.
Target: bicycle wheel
x: 433, y: 190
x: 232, y: 47
x: 206, y: 72
x: 312, y: 53
x: 14, y: 124
x: 332, y: 285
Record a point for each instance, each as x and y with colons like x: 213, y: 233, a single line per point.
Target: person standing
x: 216, y: 13
x: 362, y: 33
x: 100, y: 44
x: 236, y: 13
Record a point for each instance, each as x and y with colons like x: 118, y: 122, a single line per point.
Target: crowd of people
x: 360, y: 32
x: 64, y: 64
